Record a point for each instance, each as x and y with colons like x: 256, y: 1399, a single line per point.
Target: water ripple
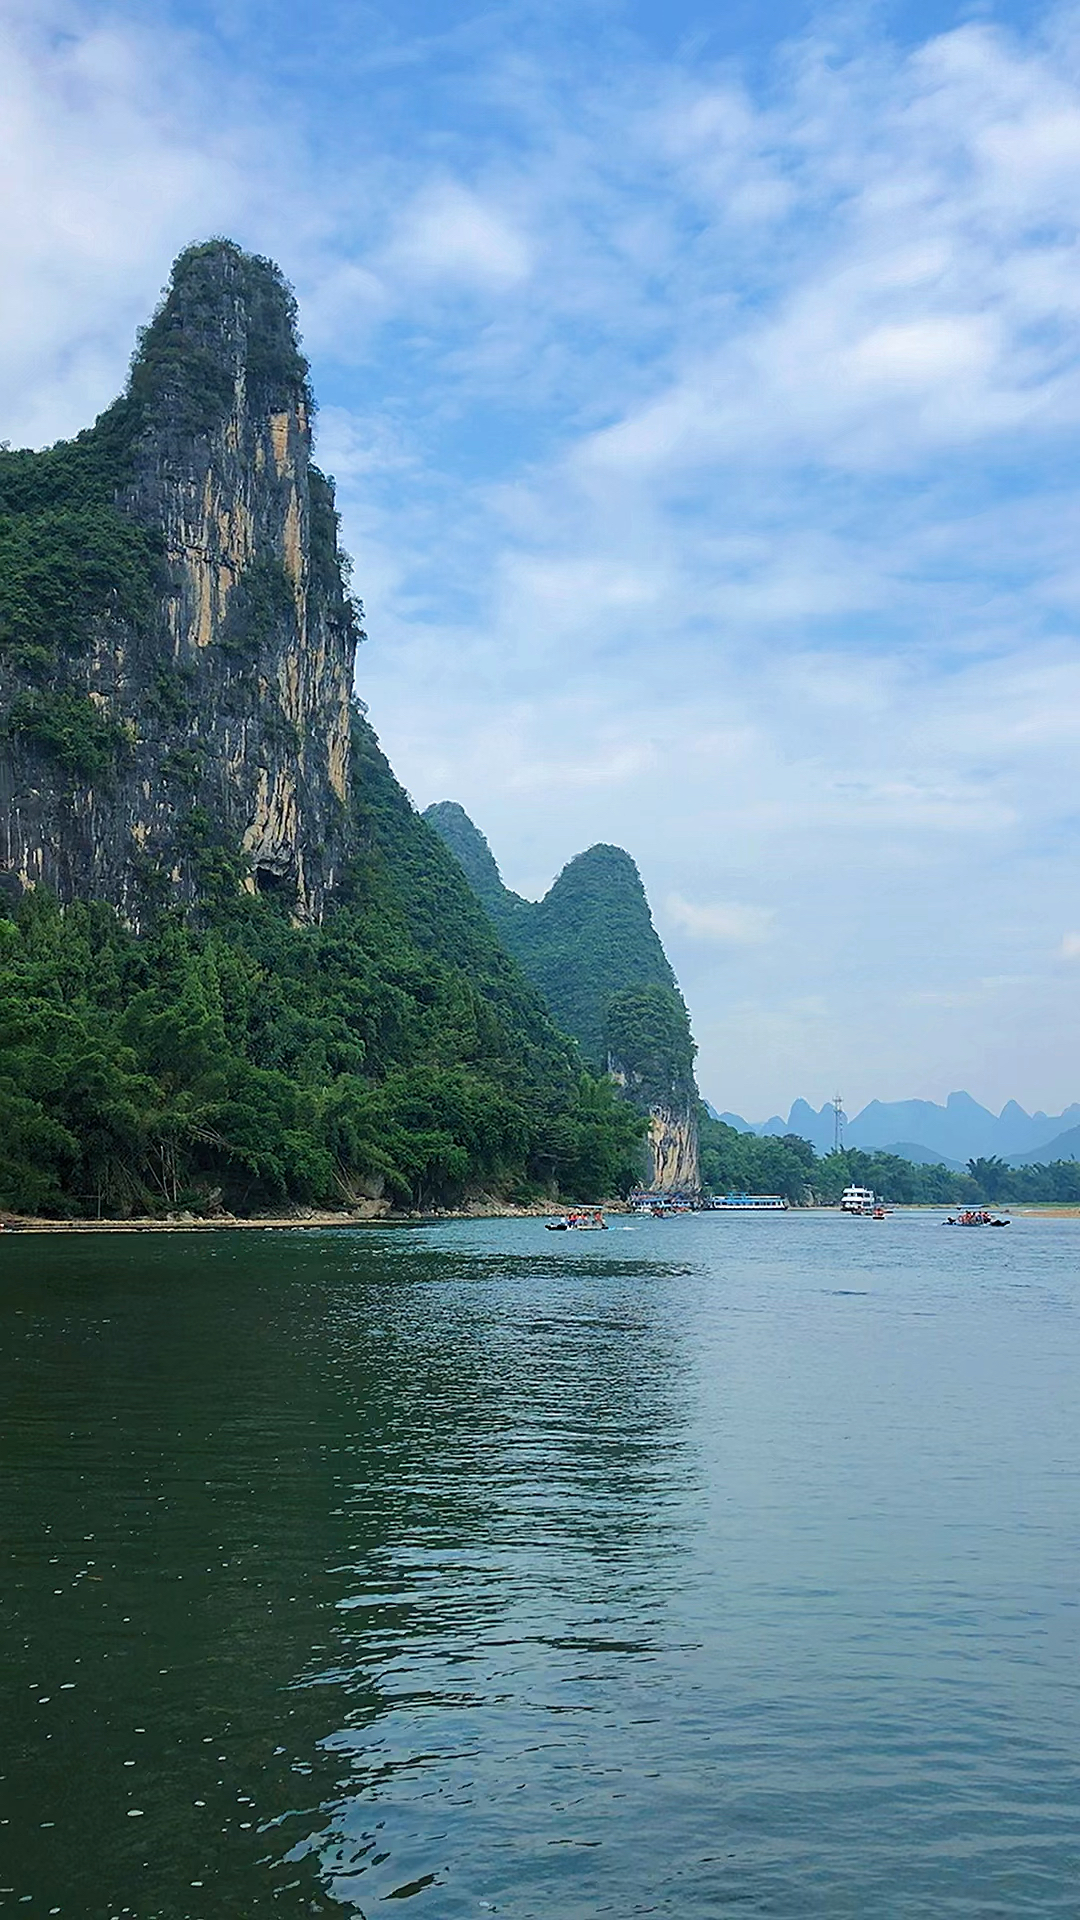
x: 452, y: 1568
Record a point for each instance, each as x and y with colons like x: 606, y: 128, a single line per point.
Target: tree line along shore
x: 786, y: 1164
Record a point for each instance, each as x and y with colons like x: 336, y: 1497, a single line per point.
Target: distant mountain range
x: 1064, y: 1146
x: 919, y: 1130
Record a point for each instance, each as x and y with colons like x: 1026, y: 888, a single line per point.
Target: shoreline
x: 373, y: 1215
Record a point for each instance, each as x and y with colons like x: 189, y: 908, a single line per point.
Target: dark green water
x: 710, y: 1567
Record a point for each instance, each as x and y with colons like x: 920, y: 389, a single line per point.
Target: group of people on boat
x: 975, y: 1217
x: 583, y: 1218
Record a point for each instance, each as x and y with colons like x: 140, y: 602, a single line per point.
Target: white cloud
x: 343, y: 304
x: 924, y: 354
x: 723, y: 924
x: 109, y: 167
x: 449, y: 233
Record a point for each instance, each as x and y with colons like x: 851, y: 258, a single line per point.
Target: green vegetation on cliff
x: 647, y: 1032
x: 68, y: 555
x: 396, y: 1048
x: 588, y: 942
x: 177, y: 367
x: 71, y: 552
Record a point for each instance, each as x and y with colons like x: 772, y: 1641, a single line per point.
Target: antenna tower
x: 837, y: 1104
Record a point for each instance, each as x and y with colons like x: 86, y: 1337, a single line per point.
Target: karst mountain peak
x: 178, y: 713
x: 591, y: 948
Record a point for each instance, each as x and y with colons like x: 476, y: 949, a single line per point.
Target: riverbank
x: 1048, y: 1212
x: 369, y: 1213
x: 376, y: 1213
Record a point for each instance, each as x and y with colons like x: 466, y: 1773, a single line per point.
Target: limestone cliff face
x: 194, y: 733
x: 672, y: 1144
x: 673, y: 1147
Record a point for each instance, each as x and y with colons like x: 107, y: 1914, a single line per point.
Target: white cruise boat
x: 858, y: 1200
x: 747, y: 1203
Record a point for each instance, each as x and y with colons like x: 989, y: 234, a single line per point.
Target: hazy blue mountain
x: 952, y: 1134
x: 961, y: 1128
x: 1017, y: 1130
x: 1022, y: 1132
x: 819, y: 1127
x: 803, y: 1119
x: 1064, y: 1146
x: 923, y: 1156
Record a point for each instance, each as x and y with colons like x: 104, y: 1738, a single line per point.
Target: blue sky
x: 702, y: 388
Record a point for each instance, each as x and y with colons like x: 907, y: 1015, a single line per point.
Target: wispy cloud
x: 111, y: 161
x: 450, y: 234
x: 724, y: 925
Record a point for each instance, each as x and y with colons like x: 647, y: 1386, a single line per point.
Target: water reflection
x: 280, y: 1512
x: 517, y: 1527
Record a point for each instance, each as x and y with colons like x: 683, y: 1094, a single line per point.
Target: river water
x: 708, y: 1567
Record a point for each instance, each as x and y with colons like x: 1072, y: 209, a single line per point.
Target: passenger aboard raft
x: 581, y: 1220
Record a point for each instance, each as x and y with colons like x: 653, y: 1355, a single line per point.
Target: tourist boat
x: 860, y: 1200
x: 581, y: 1220
x: 661, y: 1206
x: 746, y: 1203
x: 975, y: 1217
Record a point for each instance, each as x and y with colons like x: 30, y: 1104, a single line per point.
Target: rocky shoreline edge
x: 369, y: 1213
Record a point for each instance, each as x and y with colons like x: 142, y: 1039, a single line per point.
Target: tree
x: 991, y: 1176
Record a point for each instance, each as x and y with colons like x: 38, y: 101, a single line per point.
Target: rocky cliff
x: 176, y: 639
x: 673, y: 1147
x: 650, y: 1053
x: 673, y: 1158
x: 592, y: 949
